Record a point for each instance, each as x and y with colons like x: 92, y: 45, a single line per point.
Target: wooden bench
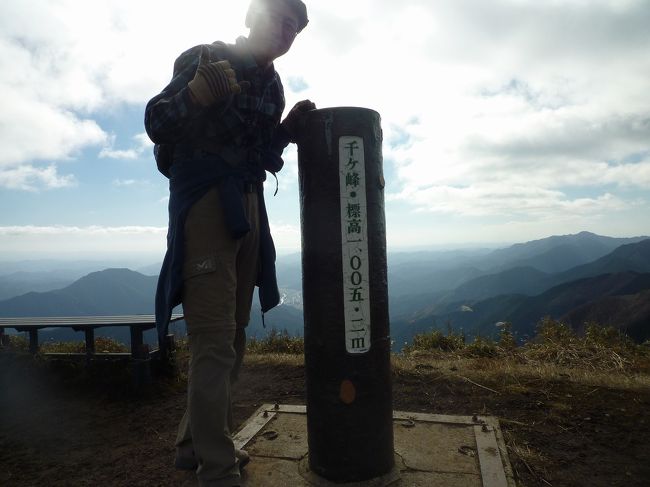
x: 140, y: 354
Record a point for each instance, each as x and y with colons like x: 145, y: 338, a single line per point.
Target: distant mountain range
x: 98, y: 293
x: 523, y: 295
x: 123, y: 291
x: 578, y: 278
x: 18, y: 283
x: 570, y: 302
x: 21, y: 277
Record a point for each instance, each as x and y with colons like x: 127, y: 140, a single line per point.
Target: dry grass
x: 512, y: 375
x: 527, y: 455
x: 601, y: 358
x: 275, y: 359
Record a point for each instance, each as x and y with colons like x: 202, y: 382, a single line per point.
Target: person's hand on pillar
x: 290, y: 122
x: 213, y: 81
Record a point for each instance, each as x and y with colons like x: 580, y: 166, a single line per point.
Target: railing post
x: 140, y: 359
x: 33, y: 341
x: 345, y: 293
x: 90, y: 343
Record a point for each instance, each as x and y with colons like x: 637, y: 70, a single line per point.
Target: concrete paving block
x: 284, y: 436
x: 430, y: 450
x: 440, y: 447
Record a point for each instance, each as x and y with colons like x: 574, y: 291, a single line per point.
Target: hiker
x: 217, y: 129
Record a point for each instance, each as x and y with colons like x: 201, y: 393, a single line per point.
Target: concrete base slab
x: 430, y: 450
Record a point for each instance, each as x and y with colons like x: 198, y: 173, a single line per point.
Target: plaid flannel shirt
x: 250, y: 120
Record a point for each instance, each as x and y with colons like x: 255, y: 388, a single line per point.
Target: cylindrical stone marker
x: 345, y: 295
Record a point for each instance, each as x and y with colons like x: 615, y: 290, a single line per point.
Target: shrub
x: 435, y: 340
x: 109, y: 345
x: 550, y: 331
x: 17, y: 342
x: 63, y: 347
x: 606, y: 336
x: 482, y: 347
x: 602, y: 348
x: 102, y: 345
x: 506, y: 338
x: 276, y: 342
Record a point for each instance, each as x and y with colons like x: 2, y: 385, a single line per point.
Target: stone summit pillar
x: 345, y: 295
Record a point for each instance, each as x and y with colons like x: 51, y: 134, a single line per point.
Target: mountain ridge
x: 515, y: 292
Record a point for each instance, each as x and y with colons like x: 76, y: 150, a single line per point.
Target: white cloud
x: 63, y: 62
x: 94, y: 230
x: 33, y: 240
x: 118, y: 154
x: 33, y: 130
x: 296, y: 84
x: 141, y: 145
x: 30, y: 178
x: 124, y: 182
x: 547, y: 93
x: 504, y: 200
x: 132, y: 183
x: 516, y: 132
x: 502, y: 108
x: 286, y: 236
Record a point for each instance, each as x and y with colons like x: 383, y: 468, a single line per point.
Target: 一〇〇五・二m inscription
x: 354, y: 233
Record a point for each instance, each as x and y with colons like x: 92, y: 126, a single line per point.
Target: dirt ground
x: 57, y: 429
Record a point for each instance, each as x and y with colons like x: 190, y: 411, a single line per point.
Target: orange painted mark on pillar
x: 348, y: 392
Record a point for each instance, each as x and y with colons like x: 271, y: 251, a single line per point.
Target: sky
x: 504, y: 120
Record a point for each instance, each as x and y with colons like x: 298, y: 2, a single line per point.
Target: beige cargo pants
x: 219, y: 277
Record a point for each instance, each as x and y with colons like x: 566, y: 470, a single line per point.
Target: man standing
x: 217, y: 130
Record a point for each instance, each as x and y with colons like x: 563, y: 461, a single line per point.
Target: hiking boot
x: 185, y: 459
x: 243, y: 457
x: 182, y: 462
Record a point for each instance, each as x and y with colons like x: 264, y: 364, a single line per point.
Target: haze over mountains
x: 577, y: 278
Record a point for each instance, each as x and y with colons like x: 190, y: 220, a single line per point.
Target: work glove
x: 290, y: 122
x: 214, y: 81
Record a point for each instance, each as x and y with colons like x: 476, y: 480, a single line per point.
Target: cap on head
x: 296, y: 5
